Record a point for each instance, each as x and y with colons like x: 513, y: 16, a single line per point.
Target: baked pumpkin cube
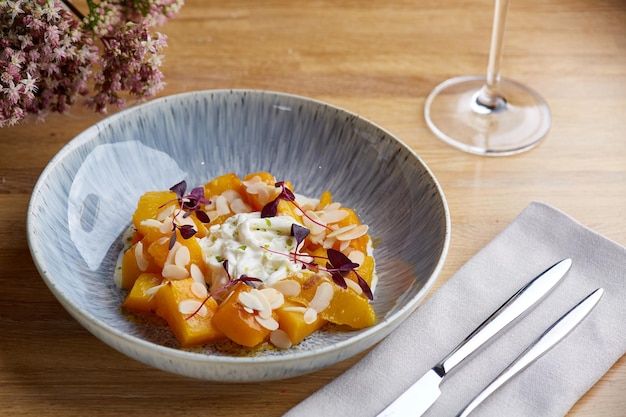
x: 140, y: 299
x: 189, y: 316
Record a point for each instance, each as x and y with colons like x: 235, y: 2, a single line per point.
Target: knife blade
x: 420, y: 396
x: 553, y: 335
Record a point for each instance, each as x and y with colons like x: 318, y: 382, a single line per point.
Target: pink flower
x: 47, y: 52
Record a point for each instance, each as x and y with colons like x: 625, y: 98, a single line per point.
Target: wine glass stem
x: 489, y: 97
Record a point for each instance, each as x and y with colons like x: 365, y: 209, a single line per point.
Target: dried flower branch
x: 49, y: 52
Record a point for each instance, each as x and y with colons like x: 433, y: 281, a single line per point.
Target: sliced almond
x: 199, y: 290
x: 274, y: 297
x: 268, y: 322
x: 151, y: 223
x: 323, y: 296
x: 354, y: 286
x: 239, y: 206
x: 341, y: 230
x: 357, y: 257
x: 310, y: 316
x: 280, y: 339
x: 182, y: 256
x: 221, y: 205
x: 332, y: 216
x: 172, y: 271
x: 142, y: 262
x: 196, y: 273
x: 353, y: 233
x: 192, y: 306
x: 247, y: 299
x: 289, y: 287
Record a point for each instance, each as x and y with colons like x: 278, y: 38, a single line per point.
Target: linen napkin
x: 539, y: 237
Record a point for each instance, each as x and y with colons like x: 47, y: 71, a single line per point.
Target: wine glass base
x: 517, y: 124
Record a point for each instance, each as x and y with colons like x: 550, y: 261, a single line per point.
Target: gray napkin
x: 536, y: 239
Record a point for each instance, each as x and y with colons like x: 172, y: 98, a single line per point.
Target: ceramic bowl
x: 85, y: 197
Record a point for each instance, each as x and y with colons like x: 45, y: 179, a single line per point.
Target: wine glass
x: 488, y: 115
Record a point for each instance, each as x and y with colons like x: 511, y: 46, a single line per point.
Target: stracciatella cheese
x: 255, y: 247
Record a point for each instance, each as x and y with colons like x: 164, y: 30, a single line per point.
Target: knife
x: 423, y: 393
x: 553, y: 335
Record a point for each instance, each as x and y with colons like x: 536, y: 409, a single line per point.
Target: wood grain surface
x: 379, y: 59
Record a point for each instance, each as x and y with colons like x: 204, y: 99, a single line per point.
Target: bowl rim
x: 85, y: 317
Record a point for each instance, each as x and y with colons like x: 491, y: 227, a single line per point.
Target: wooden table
x: 379, y: 59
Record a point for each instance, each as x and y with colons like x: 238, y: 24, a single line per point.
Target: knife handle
x: 553, y: 335
x: 512, y: 309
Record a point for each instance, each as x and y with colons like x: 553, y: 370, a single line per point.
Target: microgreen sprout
x: 338, y: 265
x: 271, y: 208
x: 231, y: 282
x: 188, y: 204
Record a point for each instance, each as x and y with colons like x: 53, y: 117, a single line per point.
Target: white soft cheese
x: 254, y: 246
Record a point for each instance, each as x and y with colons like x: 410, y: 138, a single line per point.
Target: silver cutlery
x: 423, y: 393
x: 545, y: 342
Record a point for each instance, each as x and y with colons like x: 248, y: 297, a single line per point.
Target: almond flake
x: 171, y: 255
x: 199, y: 290
x: 332, y: 216
x: 310, y: 316
x: 174, y: 272
x: 142, y: 262
x: 166, y: 226
x: 313, y: 223
x: 280, y: 339
x: 295, y: 309
x: 221, y: 204
x: 354, y: 286
x: 196, y: 273
x: 341, y: 230
x: 266, y: 309
x: 166, y: 212
x: 269, y: 323
x: 357, y: 257
x: 353, y: 233
x: 274, y: 297
x: 239, y: 206
x: 191, y: 306
x: 183, y: 256
x: 231, y: 195
x: 289, y: 287
x: 322, y: 297
x: 151, y: 223
x: 247, y: 299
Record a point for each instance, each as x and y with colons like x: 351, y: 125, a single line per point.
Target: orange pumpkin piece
x: 292, y: 322
x: 326, y: 199
x: 190, y: 329
x: 139, y: 299
x: 150, y: 205
x: 346, y: 306
x: 349, y: 308
x: 225, y: 182
x: 257, y: 201
x: 160, y: 251
x: 359, y: 243
x: 236, y: 323
x: 131, y: 270
x: 285, y: 208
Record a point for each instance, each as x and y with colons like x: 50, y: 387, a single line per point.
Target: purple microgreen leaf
x: 340, y: 261
x: 300, y: 233
x: 202, y: 216
x: 187, y: 231
x: 271, y: 208
x: 179, y: 188
x: 337, y: 277
x: 364, y: 286
x: 172, y: 240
